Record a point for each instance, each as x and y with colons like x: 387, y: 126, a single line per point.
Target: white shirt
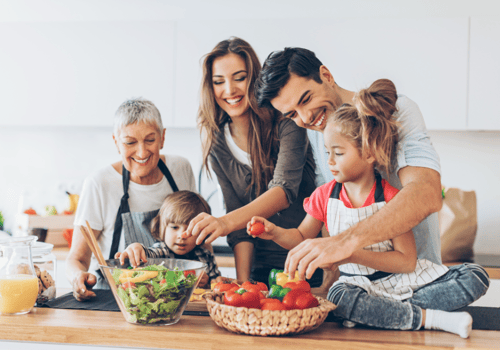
x: 237, y: 152
x: 103, y: 190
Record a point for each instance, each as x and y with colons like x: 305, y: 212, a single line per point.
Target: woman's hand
x: 253, y: 229
x: 135, y: 254
x: 206, y: 226
x: 82, y: 286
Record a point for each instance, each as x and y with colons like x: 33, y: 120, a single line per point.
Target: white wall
x: 45, y: 162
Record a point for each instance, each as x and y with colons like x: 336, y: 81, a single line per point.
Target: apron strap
x: 124, y: 208
x: 168, y: 175
x: 379, y: 190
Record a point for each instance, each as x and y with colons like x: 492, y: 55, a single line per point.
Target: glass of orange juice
x: 18, y: 280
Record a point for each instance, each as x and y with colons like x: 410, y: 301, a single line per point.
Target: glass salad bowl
x: 155, y: 292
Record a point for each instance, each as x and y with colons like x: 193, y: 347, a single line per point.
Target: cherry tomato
x: 163, y: 281
x: 302, y: 285
x: 251, y: 284
x: 189, y: 272
x: 257, y: 229
x: 224, y: 286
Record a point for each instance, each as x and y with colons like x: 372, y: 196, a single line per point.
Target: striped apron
x: 398, y: 286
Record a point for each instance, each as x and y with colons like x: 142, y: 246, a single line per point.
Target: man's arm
x: 420, y: 197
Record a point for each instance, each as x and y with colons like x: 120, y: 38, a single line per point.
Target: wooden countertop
x: 200, y: 332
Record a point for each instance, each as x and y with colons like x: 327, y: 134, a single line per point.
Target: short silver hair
x: 137, y: 110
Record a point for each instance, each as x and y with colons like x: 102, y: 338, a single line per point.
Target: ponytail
x: 379, y: 129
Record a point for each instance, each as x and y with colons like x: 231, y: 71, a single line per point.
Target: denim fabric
x: 459, y: 287
x: 414, y: 149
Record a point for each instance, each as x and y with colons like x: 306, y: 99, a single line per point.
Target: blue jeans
x: 459, y: 287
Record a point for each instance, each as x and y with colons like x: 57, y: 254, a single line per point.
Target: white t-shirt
x: 237, y: 152
x: 103, y: 190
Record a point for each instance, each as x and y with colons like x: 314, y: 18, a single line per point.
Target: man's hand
x: 325, y: 253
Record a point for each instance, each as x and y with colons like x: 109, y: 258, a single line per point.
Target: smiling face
x: 307, y: 102
x: 139, y: 145
x: 229, y: 81
x: 174, y: 240
x: 344, y: 159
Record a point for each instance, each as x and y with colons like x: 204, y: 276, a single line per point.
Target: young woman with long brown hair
x: 263, y: 162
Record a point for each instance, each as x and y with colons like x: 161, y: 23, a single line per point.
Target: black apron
x: 135, y: 227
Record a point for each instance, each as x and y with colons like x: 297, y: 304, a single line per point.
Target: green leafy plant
x: 1, y: 221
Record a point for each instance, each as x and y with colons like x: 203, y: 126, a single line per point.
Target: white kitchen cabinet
x: 484, y: 86
x: 425, y: 57
x: 78, y: 73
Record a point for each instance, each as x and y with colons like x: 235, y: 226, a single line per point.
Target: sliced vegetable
x: 137, y: 276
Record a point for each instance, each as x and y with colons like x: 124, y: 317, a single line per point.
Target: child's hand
x: 254, y: 228
x: 135, y: 254
x: 203, y: 281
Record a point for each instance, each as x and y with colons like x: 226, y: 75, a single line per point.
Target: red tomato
x: 163, y: 281
x: 251, y: 284
x: 268, y: 300
x: 299, y: 299
x: 127, y: 285
x: 257, y: 229
x: 306, y: 301
x: 247, y: 299
x: 224, y: 286
x: 189, y: 272
x: 302, y: 285
x: 273, y: 306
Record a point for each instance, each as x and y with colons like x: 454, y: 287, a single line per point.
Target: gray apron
x: 135, y: 227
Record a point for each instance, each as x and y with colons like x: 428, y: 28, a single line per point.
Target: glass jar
x: 45, y: 264
x: 18, y: 282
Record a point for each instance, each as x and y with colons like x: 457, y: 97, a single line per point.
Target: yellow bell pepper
x: 126, y: 276
x: 283, y: 278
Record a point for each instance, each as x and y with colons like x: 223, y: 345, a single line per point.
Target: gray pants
x: 459, y: 287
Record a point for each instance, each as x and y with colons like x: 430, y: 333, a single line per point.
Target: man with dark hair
x: 294, y: 82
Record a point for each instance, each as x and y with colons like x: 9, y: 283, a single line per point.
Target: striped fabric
x: 160, y: 250
x: 397, y: 286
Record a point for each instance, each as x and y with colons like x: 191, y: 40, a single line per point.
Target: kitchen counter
x: 100, y: 328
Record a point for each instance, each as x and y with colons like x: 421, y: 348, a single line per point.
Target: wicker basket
x: 266, y: 322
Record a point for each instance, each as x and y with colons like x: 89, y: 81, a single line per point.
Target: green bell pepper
x: 278, y: 292
x: 272, y: 276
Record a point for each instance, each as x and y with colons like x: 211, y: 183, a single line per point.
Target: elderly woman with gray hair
x: 120, y: 200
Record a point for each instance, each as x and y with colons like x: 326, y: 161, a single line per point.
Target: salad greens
x: 156, y: 299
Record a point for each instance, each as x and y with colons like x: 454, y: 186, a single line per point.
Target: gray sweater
x: 294, y: 172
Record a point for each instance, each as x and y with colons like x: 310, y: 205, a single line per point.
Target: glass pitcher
x: 18, y: 280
